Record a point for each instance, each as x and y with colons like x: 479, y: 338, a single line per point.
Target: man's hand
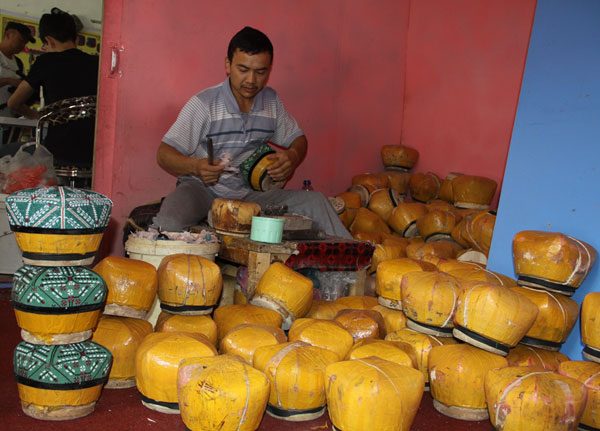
x: 209, y: 174
x: 175, y: 163
x: 284, y: 164
x: 286, y: 161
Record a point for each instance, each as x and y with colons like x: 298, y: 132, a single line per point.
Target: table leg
x: 257, y: 265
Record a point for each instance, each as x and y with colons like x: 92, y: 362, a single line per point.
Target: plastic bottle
x: 306, y: 185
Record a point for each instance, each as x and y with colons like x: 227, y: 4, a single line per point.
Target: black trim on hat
x: 286, y: 413
x: 58, y: 257
x: 446, y: 236
x: 29, y: 229
x: 183, y: 308
x: 60, y: 386
x: 561, y: 288
x: 591, y: 351
x: 431, y: 327
x: 408, y: 227
x: 56, y: 310
x: 484, y: 340
x: 587, y: 427
x: 537, y: 342
x: 172, y: 406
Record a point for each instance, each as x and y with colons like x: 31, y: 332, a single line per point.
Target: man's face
x: 16, y: 41
x: 248, y: 73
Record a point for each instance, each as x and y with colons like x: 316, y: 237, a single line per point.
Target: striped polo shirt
x: 214, y: 113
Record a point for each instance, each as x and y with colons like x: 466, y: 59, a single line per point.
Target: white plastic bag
x: 25, y: 170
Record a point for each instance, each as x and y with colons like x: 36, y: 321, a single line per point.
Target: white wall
x: 88, y: 11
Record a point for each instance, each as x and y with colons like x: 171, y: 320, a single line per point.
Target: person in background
x: 63, y: 72
x: 14, y: 39
x: 239, y: 115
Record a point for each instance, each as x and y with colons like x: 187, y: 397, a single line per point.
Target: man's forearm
x: 298, y: 147
x: 174, y: 162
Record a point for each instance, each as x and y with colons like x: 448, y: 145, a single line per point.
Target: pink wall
x: 338, y: 67
x: 443, y: 76
x: 465, y: 62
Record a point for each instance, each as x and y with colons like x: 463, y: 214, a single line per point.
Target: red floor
x: 122, y: 409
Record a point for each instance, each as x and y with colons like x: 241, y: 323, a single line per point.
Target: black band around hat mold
x: 56, y: 310
x: 60, y: 386
x: 59, y: 257
x: 172, y: 406
x: 184, y: 308
x: 29, y: 229
x: 432, y: 327
x: 483, y: 340
x: 536, y: 342
x: 283, y: 413
x: 538, y: 282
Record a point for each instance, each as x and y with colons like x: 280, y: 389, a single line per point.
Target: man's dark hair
x: 250, y: 41
x: 58, y: 24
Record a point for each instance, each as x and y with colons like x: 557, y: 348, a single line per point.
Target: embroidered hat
x: 57, y: 290
x: 62, y: 367
x: 58, y: 210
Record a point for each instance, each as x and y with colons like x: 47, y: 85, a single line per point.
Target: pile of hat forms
x: 419, y: 214
x: 484, y: 344
x: 57, y: 300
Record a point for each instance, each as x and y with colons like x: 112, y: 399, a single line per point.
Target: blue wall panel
x: 552, y: 177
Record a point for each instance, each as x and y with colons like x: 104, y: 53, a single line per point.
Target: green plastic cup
x: 267, y: 229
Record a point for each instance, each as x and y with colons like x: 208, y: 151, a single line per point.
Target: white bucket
x: 10, y: 253
x: 153, y: 251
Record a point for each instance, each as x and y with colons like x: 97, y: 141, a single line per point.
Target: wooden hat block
x: 456, y: 374
x: 557, y: 315
x: 233, y: 216
x: 157, y: 361
x: 389, y: 276
x: 429, y: 301
x: 587, y: 373
x: 492, y: 317
x: 243, y: 392
x: 189, y: 284
x: 285, y: 291
x: 372, y: 394
x: 517, y: 399
x: 230, y: 316
x: 132, y: 285
x: 199, y: 324
x: 552, y: 261
x: 424, y: 187
x: 327, y: 334
x: 436, y: 225
x: 296, y: 371
x: 421, y: 344
x: 590, y: 326
x: 121, y: 336
x: 399, y: 157
x: 243, y: 340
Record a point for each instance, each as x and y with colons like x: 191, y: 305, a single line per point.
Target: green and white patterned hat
x: 58, y: 210
x: 62, y: 367
x: 57, y: 290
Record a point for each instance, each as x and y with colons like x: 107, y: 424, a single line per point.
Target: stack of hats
x: 57, y: 301
x: 132, y: 286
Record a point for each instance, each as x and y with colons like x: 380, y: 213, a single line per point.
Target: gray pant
x: 191, y: 201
